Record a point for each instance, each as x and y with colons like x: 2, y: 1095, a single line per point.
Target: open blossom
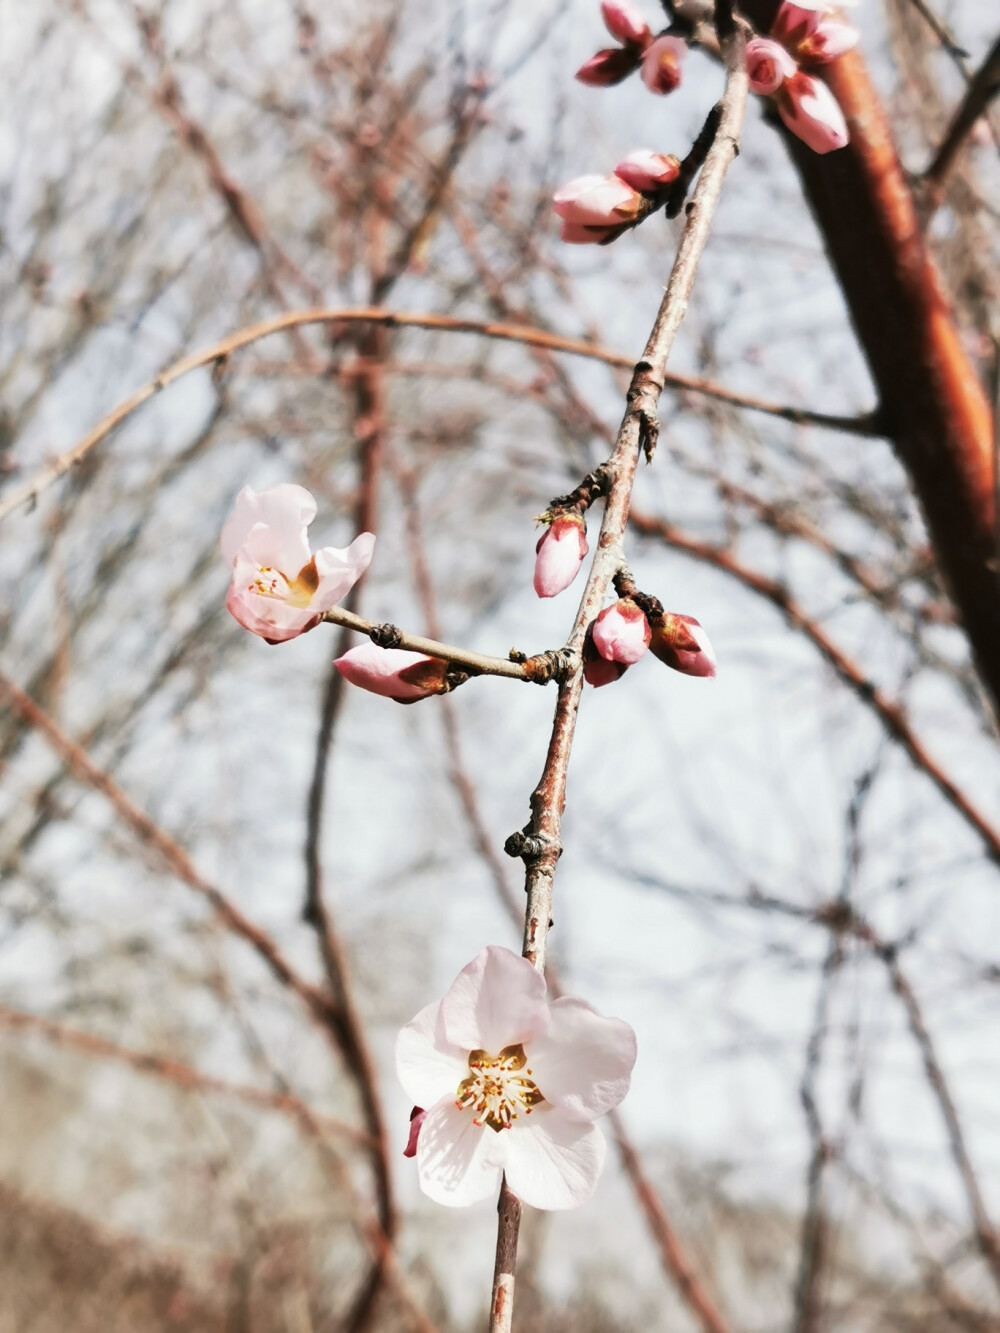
x: 661, y: 64
x: 621, y: 632
x: 812, y: 113
x: 645, y: 170
x: 559, y: 554
x: 811, y: 34
x: 279, y: 588
x: 395, y: 673
x: 681, y: 643
x: 512, y: 1083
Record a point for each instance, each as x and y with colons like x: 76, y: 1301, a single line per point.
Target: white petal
x: 339, y: 570
x: 553, y: 1161
x: 287, y: 509
x: 428, y: 1066
x: 458, y: 1162
x: 498, y: 1000
x: 583, y: 1061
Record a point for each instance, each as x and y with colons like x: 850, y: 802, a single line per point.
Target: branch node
x: 386, y: 636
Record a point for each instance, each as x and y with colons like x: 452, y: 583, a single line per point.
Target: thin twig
x: 540, y: 844
x: 30, y: 490
x: 985, y: 86
x: 890, y: 711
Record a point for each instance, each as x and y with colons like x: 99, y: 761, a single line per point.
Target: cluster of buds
x: 623, y: 632
x: 597, y: 209
x: 658, y: 58
x: 804, y: 35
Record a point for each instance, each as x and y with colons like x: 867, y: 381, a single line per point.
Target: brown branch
x: 29, y: 491
x: 178, y: 1073
x: 933, y: 406
x: 985, y: 86
x: 540, y: 844
x: 891, y: 712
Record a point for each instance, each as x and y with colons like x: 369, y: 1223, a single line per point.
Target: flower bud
x: 812, y: 113
x: 597, y: 201
x: 768, y: 65
x: 560, y: 552
x: 811, y: 34
x: 597, y: 670
x: 621, y: 632
x: 681, y: 643
x: 609, y: 66
x: 646, y: 170
x: 394, y: 673
x: 624, y: 21
x: 661, y: 64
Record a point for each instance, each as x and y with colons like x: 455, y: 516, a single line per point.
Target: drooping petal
x: 552, y: 1161
x: 339, y: 569
x: 458, y: 1162
x: 583, y: 1061
x: 429, y: 1066
x: 623, y: 20
x: 287, y: 510
x: 394, y: 673
x: 498, y: 1000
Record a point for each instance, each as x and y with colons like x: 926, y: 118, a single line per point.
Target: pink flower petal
x: 645, y: 170
x: 812, y: 113
x: 339, y: 570
x: 394, y: 673
x: 768, y: 65
x: 498, y: 1000
x: 621, y: 632
x: 597, y: 201
x: 270, y: 617
x: 608, y: 67
x: 428, y: 1065
x: 583, y: 1061
x: 681, y: 643
x: 285, y: 509
x: 458, y: 1162
x: 661, y: 64
x: 551, y: 1160
x: 559, y: 555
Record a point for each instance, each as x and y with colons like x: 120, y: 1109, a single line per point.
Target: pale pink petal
x: 768, y: 65
x: 576, y: 234
x: 597, y: 201
x: 682, y: 643
x: 458, y: 1162
x: 621, y: 632
x: 597, y: 671
x: 829, y: 40
x: 428, y: 1065
x: 498, y: 1000
x: 339, y: 570
x: 559, y: 555
x: 394, y: 673
x: 812, y: 113
x: 583, y: 1061
x: 645, y: 170
x: 270, y: 617
x: 661, y: 64
x: 551, y: 1160
x: 286, y: 509
x: 624, y: 21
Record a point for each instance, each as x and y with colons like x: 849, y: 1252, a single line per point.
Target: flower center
x: 270, y: 582
x: 498, y: 1088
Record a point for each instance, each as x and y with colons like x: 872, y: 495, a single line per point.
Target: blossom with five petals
x: 279, y: 588
x: 512, y: 1083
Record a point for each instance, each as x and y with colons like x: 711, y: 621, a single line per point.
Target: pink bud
x: 609, y: 66
x: 681, y: 643
x: 812, y: 34
x: 768, y: 65
x: 597, y: 201
x: 417, y: 1117
x: 560, y: 553
x: 812, y: 113
x: 393, y: 672
x: 597, y: 670
x: 621, y: 632
x: 625, y: 22
x: 646, y: 170
x: 661, y: 64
